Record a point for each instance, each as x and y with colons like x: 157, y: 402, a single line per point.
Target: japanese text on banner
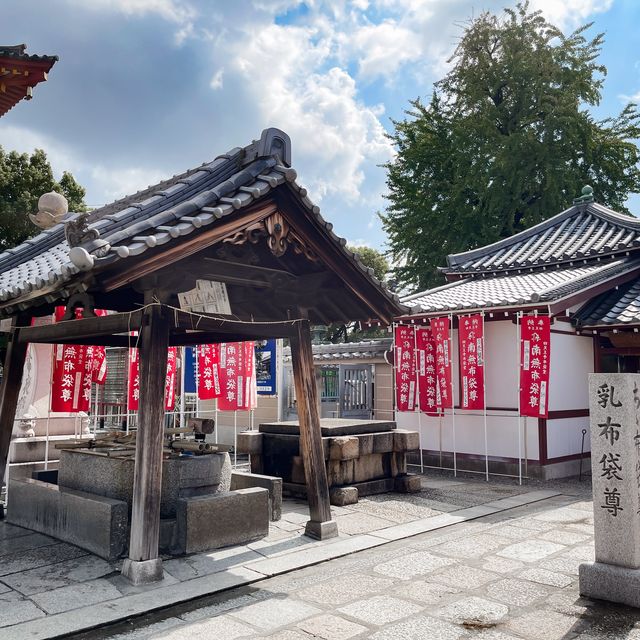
x: 428, y: 391
x: 72, y: 374
x: 471, y: 344
x: 440, y: 330
x: 535, y: 354
x: 134, y: 380
x: 208, y: 372
x: 405, y: 368
x: 237, y: 376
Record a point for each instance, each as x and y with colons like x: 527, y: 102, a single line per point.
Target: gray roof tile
x: 586, y: 230
x: 519, y: 289
x: 154, y: 216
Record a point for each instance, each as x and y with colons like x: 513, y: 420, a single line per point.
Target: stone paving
x: 40, y: 576
x: 511, y: 574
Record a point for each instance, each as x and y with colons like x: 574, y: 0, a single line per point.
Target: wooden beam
x: 10, y: 389
x: 320, y: 525
x: 147, y: 481
x: 104, y: 341
x: 73, y: 330
x: 213, y: 324
x: 210, y: 337
x: 186, y: 246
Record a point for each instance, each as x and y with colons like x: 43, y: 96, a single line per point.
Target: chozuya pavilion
x: 581, y: 268
x: 241, y: 220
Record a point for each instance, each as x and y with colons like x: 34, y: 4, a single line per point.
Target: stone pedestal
x: 614, y: 403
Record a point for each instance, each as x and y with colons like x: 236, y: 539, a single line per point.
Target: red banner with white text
x: 471, y: 344
x: 208, y: 372
x: 405, y: 368
x: 237, y: 376
x: 428, y: 392
x: 71, y: 376
x: 133, y: 396
x: 99, y: 368
x: 535, y: 360
x: 440, y: 330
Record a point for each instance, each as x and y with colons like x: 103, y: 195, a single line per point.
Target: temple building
x: 582, y: 269
x: 20, y: 73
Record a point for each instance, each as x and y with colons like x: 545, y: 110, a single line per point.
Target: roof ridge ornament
x: 273, y: 143
x: 586, y: 195
x: 52, y: 208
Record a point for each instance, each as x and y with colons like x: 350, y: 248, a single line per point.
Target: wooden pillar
x: 320, y: 525
x: 10, y: 390
x: 143, y: 564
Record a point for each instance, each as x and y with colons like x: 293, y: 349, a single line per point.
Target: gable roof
x: 189, y: 203
x: 520, y: 289
x: 19, y: 73
x: 583, y: 232
x: 618, y: 307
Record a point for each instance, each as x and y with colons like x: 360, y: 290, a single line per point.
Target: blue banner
x: 266, y: 367
x: 189, y: 370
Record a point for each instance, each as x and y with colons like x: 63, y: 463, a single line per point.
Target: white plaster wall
x: 564, y: 436
x: 571, y: 363
x: 501, y: 370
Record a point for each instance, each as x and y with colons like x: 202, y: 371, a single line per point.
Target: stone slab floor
x: 509, y: 576
x: 505, y: 576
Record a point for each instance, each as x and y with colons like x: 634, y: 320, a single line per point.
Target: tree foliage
x: 23, y: 179
x: 506, y: 141
x: 339, y: 332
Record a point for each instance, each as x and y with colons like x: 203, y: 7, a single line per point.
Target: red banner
x: 535, y: 353
x: 170, y: 380
x: 236, y: 376
x: 134, y: 380
x: 99, y: 368
x: 440, y: 330
x: 71, y: 377
x: 208, y: 372
x: 428, y: 392
x: 133, y: 396
x: 471, y: 343
x: 405, y: 368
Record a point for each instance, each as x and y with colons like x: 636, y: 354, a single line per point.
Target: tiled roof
x: 366, y: 350
x: 585, y: 231
x: 19, y: 73
x: 620, y: 306
x: 517, y: 289
x: 154, y: 216
x: 17, y: 52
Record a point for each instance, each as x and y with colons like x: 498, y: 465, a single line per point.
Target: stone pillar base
x: 321, y: 530
x: 610, y: 582
x: 142, y: 571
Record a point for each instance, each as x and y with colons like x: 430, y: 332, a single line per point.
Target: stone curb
x: 112, y: 611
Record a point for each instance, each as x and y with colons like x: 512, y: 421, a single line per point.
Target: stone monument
x: 614, y: 405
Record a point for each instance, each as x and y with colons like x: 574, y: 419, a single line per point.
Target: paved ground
x: 510, y: 574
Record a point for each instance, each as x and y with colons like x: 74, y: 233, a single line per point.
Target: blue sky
x: 148, y: 88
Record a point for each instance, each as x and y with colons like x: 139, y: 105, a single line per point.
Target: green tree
x: 352, y: 332
x: 506, y: 141
x: 373, y: 259
x: 23, y: 179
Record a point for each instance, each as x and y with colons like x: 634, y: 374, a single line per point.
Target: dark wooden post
x: 143, y: 564
x: 10, y: 390
x: 320, y: 525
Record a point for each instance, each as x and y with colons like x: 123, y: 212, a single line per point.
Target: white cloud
x: 288, y: 73
x: 633, y: 98
x: 568, y: 14
x: 118, y: 182
x: 172, y: 10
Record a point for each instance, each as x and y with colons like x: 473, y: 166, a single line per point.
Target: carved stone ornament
x: 52, y: 207
x: 27, y: 426
x: 77, y: 230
